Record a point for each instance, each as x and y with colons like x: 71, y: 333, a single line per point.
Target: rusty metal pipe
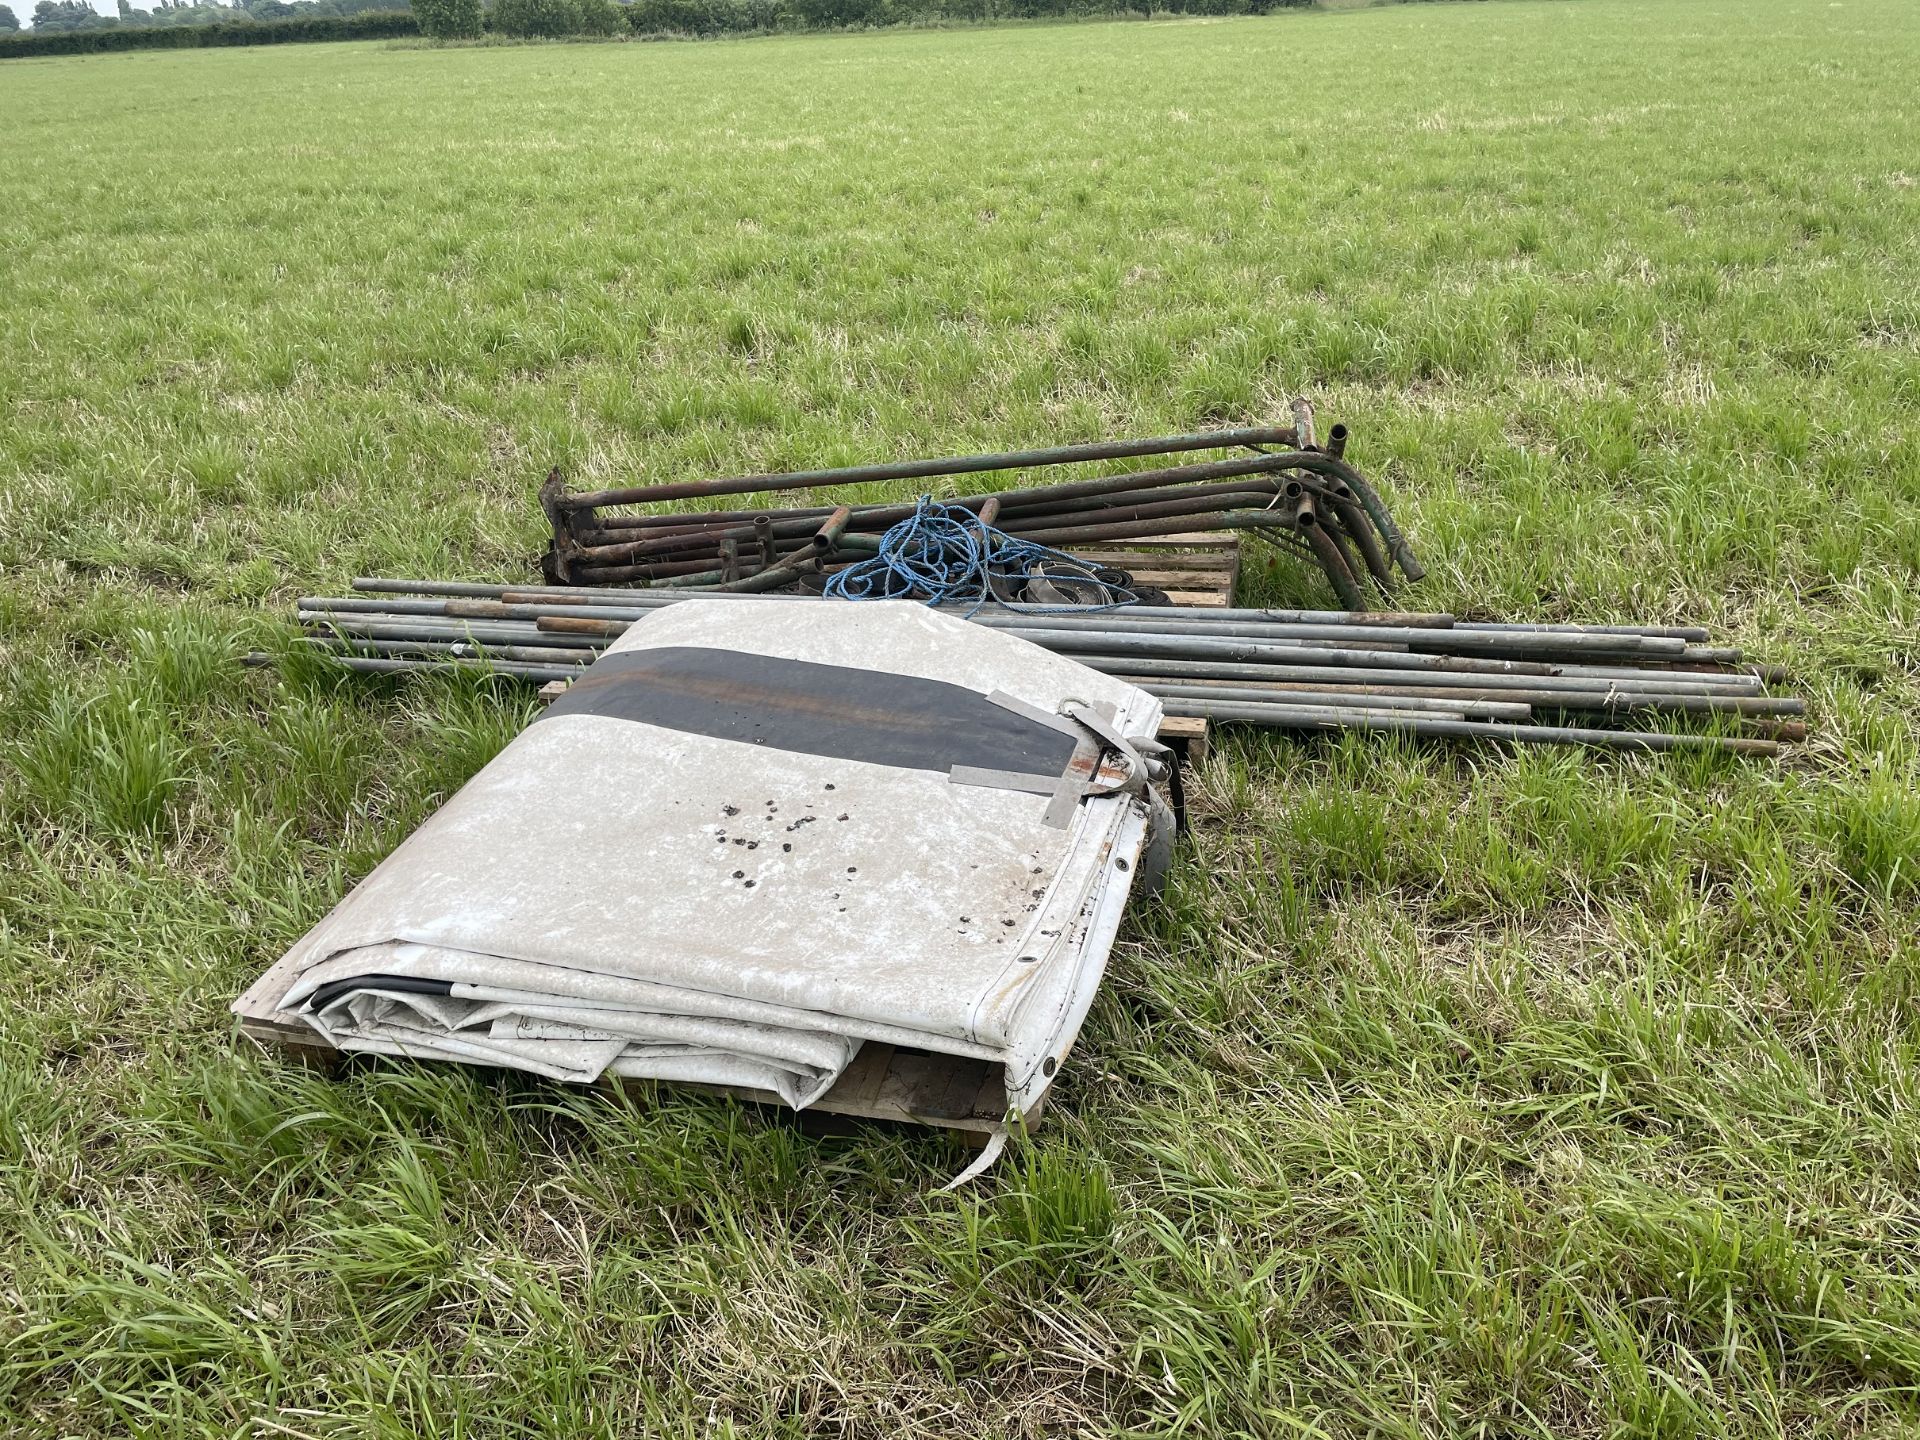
x: 615, y: 599
x: 1521, y: 695
x: 1197, y: 472
x: 1359, y: 529
x: 830, y: 530
x: 1177, y: 626
x: 457, y: 649
x: 1022, y: 523
x: 1252, y: 679
x: 1689, y: 633
x: 1308, y: 521
x: 435, y: 591
x: 1141, y: 621
x: 1396, y: 671
x: 1280, y: 652
x: 1376, y: 509
x: 922, y: 469
x: 1329, y: 671
x: 358, y: 627
x: 1283, y: 717
x: 390, y: 665
x: 1354, y: 698
x: 789, y: 532
x: 571, y: 625
x: 1303, y: 423
x: 1167, y: 525
x: 1422, y: 632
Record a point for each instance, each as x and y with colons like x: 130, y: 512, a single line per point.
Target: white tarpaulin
x: 750, y: 838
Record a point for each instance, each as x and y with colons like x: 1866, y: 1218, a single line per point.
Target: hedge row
x: 641, y: 17
x: 720, y: 17
x: 367, y: 25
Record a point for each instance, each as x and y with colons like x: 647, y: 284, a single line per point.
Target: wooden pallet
x: 1200, y: 569
x: 902, y: 1086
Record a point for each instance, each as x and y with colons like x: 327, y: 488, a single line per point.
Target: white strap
x: 983, y: 1162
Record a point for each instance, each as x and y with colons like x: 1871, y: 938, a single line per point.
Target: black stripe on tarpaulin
x: 398, y: 984
x: 813, y: 709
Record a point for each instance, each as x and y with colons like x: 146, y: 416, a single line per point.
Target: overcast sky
x: 24, y: 8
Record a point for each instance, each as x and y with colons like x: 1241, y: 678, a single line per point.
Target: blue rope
x: 947, y: 554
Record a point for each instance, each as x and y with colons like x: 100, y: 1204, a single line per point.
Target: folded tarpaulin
x: 750, y: 837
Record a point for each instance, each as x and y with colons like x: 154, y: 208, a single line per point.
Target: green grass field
x: 1451, y: 1092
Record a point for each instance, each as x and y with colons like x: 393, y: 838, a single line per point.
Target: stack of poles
x: 1427, y: 674
x: 1305, y: 497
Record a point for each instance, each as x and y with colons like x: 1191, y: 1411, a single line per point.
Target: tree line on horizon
x: 53, y: 17
x: 74, y: 27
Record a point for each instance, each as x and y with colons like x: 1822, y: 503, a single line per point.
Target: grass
x: 1449, y: 1093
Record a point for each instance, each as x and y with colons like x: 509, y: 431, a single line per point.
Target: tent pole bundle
x: 1303, y: 496
x: 1426, y: 674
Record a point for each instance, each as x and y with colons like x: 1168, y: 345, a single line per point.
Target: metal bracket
x: 1093, y: 731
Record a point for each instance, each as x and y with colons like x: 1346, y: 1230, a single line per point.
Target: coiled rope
x: 947, y: 554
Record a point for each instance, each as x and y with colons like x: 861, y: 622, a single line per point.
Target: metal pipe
x: 1261, y: 520
x: 479, y: 634
x: 1125, y: 482
x: 1303, y: 423
x: 1208, y: 500
x: 1418, y: 638
x: 1521, y: 698
x: 1308, y: 521
x: 544, y: 599
x: 1183, y: 632
x: 665, y: 543
x: 1145, y: 621
x: 569, y: 625
x: 460, y: 589
x: 1689, y: 633
x: 1357, y: 699
x: 1277, y: 652
x: 1370, y: 501
x: 664, y: 555
x: 1516, y: 699
x: 831, y: 529
x: 1359, y: 529
x: 1358, y: 626
x: 1313, y: 717
x: 1312, y: 667
x: 458, y: 649
x: 1174, y: 615
x: 371, y: 666
x: 921, y: 469
x: 1283, y: 717
x: 1688, y: 679
x: 1292, y: 677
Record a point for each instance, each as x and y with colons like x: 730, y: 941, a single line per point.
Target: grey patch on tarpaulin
x: 1004, y: 780
x: 813, y: 709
